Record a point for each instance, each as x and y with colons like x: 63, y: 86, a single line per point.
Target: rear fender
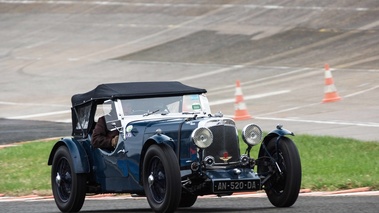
x: 78, y: 154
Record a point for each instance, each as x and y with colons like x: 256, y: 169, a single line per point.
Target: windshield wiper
x: 190, y: 113
x: 150, y: 113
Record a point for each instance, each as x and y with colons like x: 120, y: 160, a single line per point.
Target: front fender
x: 161, y: 138
x: 278, y: 133
x: 78, y: 154
x: 155, y: 139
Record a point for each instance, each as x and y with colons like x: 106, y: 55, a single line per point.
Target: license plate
x: 235, y: 185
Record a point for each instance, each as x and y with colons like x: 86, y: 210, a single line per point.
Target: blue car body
x: 215, y: 168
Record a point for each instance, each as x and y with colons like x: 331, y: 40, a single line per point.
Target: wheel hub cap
x: 150, y: 179
x: 58, y: 179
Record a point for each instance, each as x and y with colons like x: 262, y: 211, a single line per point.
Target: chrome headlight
x: 202, y: 137
x: 252, y: 134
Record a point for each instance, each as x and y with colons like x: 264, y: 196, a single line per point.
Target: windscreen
x: 166, y: 105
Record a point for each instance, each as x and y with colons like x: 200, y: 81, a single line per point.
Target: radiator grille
x: 225, y: 143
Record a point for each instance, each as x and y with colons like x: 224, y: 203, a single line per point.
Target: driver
x: 101, y: 136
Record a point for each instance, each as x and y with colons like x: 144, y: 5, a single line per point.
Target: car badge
x: 225, y: 157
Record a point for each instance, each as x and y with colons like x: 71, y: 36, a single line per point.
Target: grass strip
x: 328, y: 163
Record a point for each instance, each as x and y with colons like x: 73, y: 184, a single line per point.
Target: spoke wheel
x: 283, y: 187
x: 68, y: 187
x: 161, y: 178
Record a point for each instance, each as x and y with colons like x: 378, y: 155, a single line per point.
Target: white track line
x: 345, y: 123
x: 40, y: 115
x: 360, y: 92
x: 249, y: 97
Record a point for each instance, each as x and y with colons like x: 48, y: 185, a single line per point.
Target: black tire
x: 69, y: 188
x: 187, y: 199
x: 282, y: 189
x: 161, y: 178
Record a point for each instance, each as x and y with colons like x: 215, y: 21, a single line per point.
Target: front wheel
x: 69, y: 188
x: 161, y: 178
x: 283, y: 184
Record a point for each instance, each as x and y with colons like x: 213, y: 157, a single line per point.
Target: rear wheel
x: 69, y: 188
x: 283, y: 187
x: 161, y: 178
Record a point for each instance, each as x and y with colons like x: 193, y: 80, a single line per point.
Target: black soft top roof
x: 135, y: 90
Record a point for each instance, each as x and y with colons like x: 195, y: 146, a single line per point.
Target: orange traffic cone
x: 241, y: 112
x: 330, y: 89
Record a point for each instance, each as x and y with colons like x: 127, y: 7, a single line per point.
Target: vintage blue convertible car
x: 171, y: 149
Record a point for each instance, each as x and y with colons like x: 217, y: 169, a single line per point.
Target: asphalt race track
x: 50, y: 50
x: 246, y: 203
x: 27, y: 130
